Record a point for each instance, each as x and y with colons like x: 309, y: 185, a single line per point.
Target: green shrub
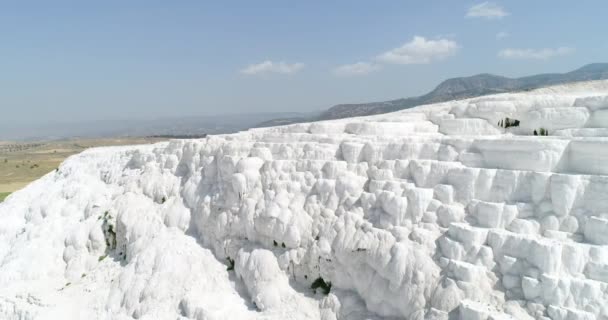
x: 508, y: 122
x: 541, y: 132
x: 108, y: 230
x: 230, y: 264
x: 319, y: 283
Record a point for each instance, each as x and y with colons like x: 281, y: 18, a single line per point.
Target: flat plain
x: 24, y: 162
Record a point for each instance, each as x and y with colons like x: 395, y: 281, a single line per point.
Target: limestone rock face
x: 435, y: 212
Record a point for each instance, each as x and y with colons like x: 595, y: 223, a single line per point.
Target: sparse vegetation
x: 3, y: 195
x: 319, y: 283
x: 508, y: 122
x: 230, y: 264
x: 108, y: 231
x: 22, y: 163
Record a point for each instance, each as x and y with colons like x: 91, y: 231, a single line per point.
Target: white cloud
x: 539, y: 54
x: 355, y: 69
x: 420, y: 51
x: 272, y: 67
x: 488, y: 10
x: 502, y: 35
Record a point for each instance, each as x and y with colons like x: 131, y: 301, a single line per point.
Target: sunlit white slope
x: 434, y: 212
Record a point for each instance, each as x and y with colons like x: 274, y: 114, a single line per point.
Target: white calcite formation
x: 436, y: 212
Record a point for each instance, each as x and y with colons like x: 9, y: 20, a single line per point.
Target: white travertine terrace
x: 434, y: 212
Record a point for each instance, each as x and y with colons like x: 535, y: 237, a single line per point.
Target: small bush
x: 101, y: 258
x: 274, y: 243
x: 319, y: 283
x: 108, y: 230
x: 508, y: 122
x: 541, y: 132
x: 230, y: 264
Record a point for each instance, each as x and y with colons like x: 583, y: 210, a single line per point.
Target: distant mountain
x: 468, y: 87
x: 302, y: 117
x: 461, y: 88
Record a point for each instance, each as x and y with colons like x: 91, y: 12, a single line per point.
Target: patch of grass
x: 3, y: 195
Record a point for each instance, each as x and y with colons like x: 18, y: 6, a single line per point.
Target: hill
x: 459, y: 88
x: 468, y: 87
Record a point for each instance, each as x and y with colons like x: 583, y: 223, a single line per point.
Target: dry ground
x: 22, y: 163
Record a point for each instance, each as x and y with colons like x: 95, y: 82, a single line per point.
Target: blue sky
x: 83, y: 60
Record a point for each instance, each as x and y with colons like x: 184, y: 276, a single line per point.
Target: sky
x: 101, y: 60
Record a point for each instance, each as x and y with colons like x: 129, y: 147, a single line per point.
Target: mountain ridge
x: 456, y: 88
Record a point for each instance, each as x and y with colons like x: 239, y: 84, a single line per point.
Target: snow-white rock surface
x: 434, y: 212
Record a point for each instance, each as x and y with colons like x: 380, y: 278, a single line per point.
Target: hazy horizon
x: 150, y: 59
x: 174, y: 125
